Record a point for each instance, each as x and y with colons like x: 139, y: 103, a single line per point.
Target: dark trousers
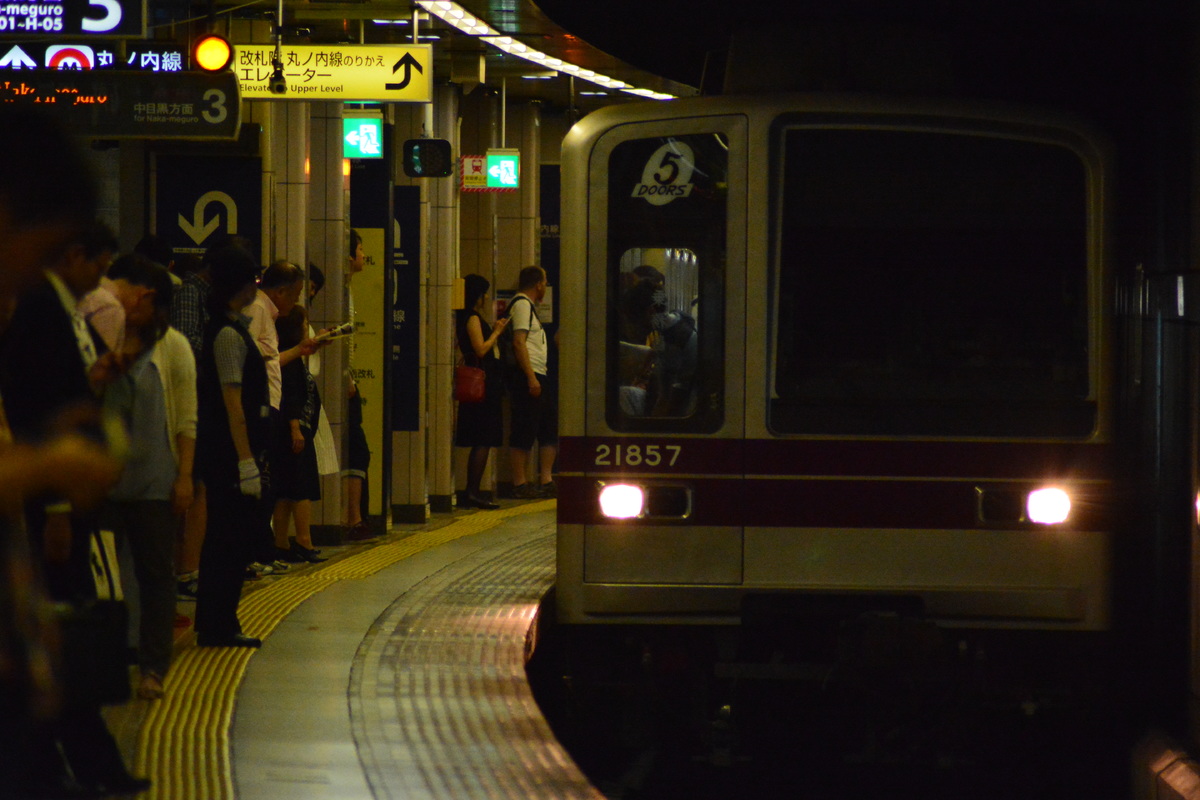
x: 230, y: 539
x: 149, y: 527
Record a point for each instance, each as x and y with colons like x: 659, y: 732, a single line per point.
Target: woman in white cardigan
x: 156, y: 400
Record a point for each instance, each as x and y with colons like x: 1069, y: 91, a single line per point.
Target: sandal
x: 151, y: 686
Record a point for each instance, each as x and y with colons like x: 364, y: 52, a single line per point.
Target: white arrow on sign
x: 199, y: 230
x: 17, y: 58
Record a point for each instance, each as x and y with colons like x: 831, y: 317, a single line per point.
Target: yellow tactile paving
x: 183, y: 744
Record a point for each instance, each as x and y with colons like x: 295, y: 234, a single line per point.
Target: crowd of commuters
x: 181, y: 413
x: 138, y: 403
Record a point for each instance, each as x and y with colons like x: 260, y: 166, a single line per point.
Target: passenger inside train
x: 658, y: 346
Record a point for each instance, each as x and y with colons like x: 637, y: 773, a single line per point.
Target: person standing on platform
x: 189, y: 316
x: 156, y: 400
x: 297, y: 482
x: 534, y: 398
x: 158, y: 249
x: 233, y: 437
x: 480, y: 426
x: 100, y: 307
x: 358, y: 453
x: 327, y: 456
x: 279, y: 290
x: 53, y: 369
x: 46, y: 198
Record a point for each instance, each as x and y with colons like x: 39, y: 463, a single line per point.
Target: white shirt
x: 525, y: 319
x: 104, y: 312
x: 263, y: 313
x: 83, y: 337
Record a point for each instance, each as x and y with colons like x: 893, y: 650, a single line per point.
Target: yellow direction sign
x: 401, y: 73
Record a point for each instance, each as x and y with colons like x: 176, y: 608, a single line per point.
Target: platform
x: 393, y: 670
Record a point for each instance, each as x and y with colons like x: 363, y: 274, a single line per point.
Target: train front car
x: 833, y: 353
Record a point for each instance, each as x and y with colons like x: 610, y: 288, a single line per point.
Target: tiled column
x: 261, y: 232
x: 477, y: 240
x: 443, y: 263
x: 410, y: 495
x: 517, y: 218
x: 289, y: 143
x: 328, y: 249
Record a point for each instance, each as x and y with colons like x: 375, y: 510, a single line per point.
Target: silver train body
x: 831, y: 349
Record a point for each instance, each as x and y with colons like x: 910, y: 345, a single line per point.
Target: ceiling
x: 1007, y: 48
x: 457, y: 56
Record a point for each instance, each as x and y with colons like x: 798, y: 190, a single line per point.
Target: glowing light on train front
x: 622, y: 501
x: 1048, y: 506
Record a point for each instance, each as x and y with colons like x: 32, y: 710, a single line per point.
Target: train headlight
x: 1048, y: 506
x: 622, y: 501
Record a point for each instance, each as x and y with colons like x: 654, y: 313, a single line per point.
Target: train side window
x: 931, y: 283
x: 667, y: 221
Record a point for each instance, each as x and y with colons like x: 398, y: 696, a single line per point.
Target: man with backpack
x: 534, y: 395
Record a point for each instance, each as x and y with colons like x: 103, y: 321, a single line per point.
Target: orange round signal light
x: 212, y: 53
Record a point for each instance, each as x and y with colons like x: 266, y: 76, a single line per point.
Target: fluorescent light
x: 511, y: 46
x: 391, y: 21
x: 455, y: 15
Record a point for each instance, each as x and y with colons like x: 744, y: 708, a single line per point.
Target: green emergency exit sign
x: 503, y: 169
x: 362, y: 137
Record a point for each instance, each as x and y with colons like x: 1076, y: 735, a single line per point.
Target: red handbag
x: 469, y: 384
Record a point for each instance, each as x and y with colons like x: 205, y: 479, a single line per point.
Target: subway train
x: 828, y: 356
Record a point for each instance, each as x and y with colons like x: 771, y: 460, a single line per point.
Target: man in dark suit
x: 53, y: 369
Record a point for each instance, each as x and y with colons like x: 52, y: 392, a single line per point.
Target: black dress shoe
x: 479, y: 502
x: 299, y: 552
x: 234, y: 640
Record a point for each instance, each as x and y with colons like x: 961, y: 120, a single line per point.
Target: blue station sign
x: 122, y: 19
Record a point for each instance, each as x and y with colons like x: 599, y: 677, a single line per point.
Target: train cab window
x: 657, y: 333
x: 665, y: 335
x: 930, y: 283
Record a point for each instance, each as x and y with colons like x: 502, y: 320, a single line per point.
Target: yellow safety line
x: 183, y: 742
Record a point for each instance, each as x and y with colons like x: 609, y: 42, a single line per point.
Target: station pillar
x: 328, y: 250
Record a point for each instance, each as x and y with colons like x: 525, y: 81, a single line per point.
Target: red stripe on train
x: 838, y: 503
x: 666, y: 455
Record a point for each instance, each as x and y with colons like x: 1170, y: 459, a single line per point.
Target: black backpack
x: 507, y: 353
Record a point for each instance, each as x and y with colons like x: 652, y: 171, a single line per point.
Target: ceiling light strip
x: 455, y: 15
x: 458, y: 17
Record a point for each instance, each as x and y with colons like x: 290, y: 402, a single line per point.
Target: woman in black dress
x: 480, y: 425
x: 296, y: 480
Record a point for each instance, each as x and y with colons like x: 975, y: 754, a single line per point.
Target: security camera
x: 277, y: 84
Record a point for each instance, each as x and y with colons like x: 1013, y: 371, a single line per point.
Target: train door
x: 660, y: 376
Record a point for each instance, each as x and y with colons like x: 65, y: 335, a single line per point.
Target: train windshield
x: 929, y: 283
x: 666, y: 250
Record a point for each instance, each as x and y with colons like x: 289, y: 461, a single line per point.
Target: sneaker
x: 548, y: 490
x: 526, y: 491
x: 260, y: 569
x: 186, y: 588
x: 279, y: 565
